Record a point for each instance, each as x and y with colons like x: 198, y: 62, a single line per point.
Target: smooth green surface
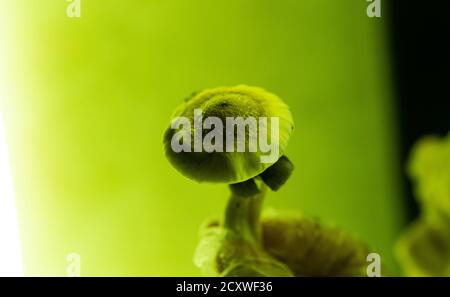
x: 95, y: 95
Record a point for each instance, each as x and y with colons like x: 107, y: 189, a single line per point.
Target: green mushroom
x: 424, y: 247
x: 237, y: 136
x: 242, y: 243
x: 291, y: 245
x: 217, y: 143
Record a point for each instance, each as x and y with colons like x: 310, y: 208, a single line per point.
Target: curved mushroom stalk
x: 276, y: 245
x: 247, y: 188
x: 242, y: 215
x: 235, y: 249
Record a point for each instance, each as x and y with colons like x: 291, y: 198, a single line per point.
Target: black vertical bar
x: 420, y: 34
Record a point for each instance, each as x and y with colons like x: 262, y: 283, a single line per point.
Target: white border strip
x: 10, y: 248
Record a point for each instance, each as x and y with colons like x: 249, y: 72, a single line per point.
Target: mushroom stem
x: 246, y: 188
x: 242, y: 215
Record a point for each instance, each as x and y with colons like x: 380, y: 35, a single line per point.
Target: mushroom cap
x: 239, y: 101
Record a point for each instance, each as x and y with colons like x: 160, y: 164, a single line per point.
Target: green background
x: 95, y: 94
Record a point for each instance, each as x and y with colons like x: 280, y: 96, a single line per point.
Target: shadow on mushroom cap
x: 239, y: 101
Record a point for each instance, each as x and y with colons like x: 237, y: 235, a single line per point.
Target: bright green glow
x: 97, y: 94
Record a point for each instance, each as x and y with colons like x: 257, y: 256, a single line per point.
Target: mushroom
x: 239, y: 169
x: 424, y: 247
x: 244, y: 166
